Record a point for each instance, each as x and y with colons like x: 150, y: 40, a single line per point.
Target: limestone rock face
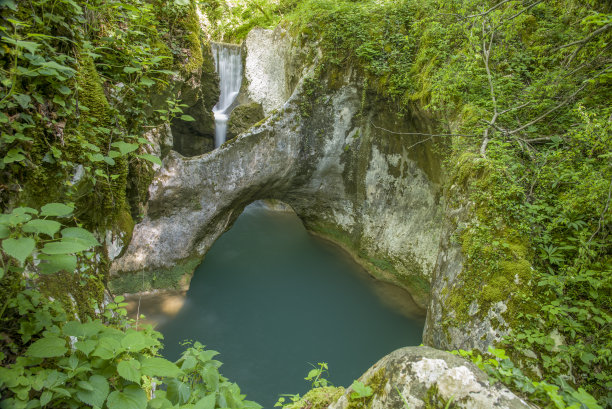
x: 373, y: 191
x: 273, y: 67
x: 426, y: 377
x: 243, y: 117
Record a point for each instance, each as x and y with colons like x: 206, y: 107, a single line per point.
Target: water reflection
x: 274, y: 300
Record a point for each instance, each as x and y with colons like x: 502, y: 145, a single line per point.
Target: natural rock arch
x: 375, y: 193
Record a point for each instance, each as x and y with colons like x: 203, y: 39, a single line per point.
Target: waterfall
x: 228, y: 63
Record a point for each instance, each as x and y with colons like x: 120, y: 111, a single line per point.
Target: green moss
x: 77, y: 293
x: 496, y: 267
x: 433, y: 400
x: 176, y: 278
x: 317, y: 398
x: 377, y: 383
x: 193, y: 41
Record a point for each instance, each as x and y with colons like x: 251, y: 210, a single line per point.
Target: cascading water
x: 228, y: 63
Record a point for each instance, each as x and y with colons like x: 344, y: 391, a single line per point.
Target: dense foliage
x: 525, y: 87
x: 76, y: 86
x: 520, y: 87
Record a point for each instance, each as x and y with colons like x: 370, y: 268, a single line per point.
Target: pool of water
x: 275, y: 301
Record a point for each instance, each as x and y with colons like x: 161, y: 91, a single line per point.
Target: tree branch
x: 565, y: 101
x: 532, y: 5
x: 486, y: 52
x: 418, y: 133
x: 587, y: 38
x: 490, y: 10
x: 603, y: 214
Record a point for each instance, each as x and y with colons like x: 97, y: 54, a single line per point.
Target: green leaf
x: 59, y: 100
x: 19, y: 248
x: 132, y: 397
x: 86, y: 346
x: 83, y: 235
x: 55, y: 66
x: 188, y: 363
x: 64, y: 89
x: 134, y: 341
x: 52, y: 263
x: 23, y: 100
x: 129, y: 370
x: 82, y: 330
x: 178, y: 392
x: 66, y: 247
x: 147, y: 82
x: 130, y: 70
x: 160, y: 403
x: 208, y: 402
x: 97, y: 392
x: 45, y: 397
x: 85, y: 385
x: 153, y: 366
x: 56, y: 209
x: 4, y: 231
x: 187, y: 118
x: 13, y: 155
x: 210, y: 375
x: 108, y: 348
x: 47, y: 347
x: 360, y: 390
x: 40, y: 226
x: 151, y: 158
x: 1, y: 273
x: 28, y: 45
x: 125, y: 147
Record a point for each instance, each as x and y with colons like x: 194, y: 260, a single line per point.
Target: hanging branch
x: 583, y: 42
x: 561, y: 104
x: 418, y: 133
x: 490, y: 10
x: 486, y: 52
x: 532, y: 5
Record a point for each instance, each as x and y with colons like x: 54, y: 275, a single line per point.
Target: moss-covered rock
x: 423, y: 377
x: 483, y: 266
x: 243, y: 117
x: 173, y: 278
x: 317, y: 398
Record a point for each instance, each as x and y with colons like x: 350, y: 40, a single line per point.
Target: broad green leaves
x: 19, y: 248
x: 41, y: 226
x: 56, y: 209
x: 94, y: 391
x: 130, y: 398
x: 159, y: 367
x: 125, y: 147
x: 48, y: 347
x: 130, y: 370
x: 151, y: 158
x: 22, y: 233
x: 52, y: 263
x: 65, y: 247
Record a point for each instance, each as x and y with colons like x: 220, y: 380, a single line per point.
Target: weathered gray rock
x: 373, y: 191
x: 266, y: 69
x: 243, y: 117
x: 426, y: 376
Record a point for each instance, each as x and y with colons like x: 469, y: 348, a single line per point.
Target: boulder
x: 423, y: 377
